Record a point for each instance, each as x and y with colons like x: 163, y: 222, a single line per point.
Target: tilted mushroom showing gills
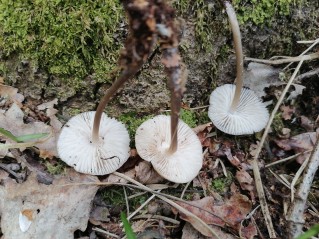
x: 76, y: 147
x: 233, y: 109
x: 249, y: 116
x: 153, y: 141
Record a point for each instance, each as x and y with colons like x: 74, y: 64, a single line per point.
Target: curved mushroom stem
x: 239, y: 53
x: 171, y: 61
x: 126, y: 75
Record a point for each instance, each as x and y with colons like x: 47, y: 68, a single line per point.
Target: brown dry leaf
x: 189, y: 232
x: 55, y: 211
x: 229, y: 213
x: 306, y: 123
x: 299, y: 143
x: 249, y: 231
x: 146, y: 174
x: 11, y: 93
x: 246, y: 182
x: 287, y: 111
x: 12, y: 120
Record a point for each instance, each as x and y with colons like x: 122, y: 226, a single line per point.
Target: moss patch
x: 263, y: 11
x: 132, y: 121
x: 70, y: 39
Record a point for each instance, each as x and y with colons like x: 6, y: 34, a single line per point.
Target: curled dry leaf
x: 146, y: 174
x: 45, y: 208
x: 287, y: 111
x: 246, y: 182
x: 299, y: 143
x: 229, y: 213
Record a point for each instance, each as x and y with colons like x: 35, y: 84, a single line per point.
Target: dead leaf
x: 299, y: 143
x: 229, y: 213
x: 12, y: 120
x: 189, y: 232
x: 249, y: 231
x: 246, y: 182
x: 11, y: 93
x: 298, y: 91
x: 48, y: 207
x: 306, y: 123
x: 260, y: 76
x: 48, y: 105
x: 146, y: 174
x: 287, y: 111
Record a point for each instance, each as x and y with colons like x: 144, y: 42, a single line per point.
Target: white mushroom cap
x: 152, y: 141
x: 250, y: 115
x: 75, y: 145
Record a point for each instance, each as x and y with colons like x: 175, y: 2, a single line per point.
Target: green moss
x: 57, y: 168
x: 113, y: 196
x: 262, y: 11
x: 278, y: 123
x: 205, y: 20
x: 70, y: 39
x: 220, y: 185
x: 189, y: 117
x: 132, y: 121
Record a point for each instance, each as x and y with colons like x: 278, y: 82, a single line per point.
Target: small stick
x: 285, y: 159
x: 258, y: 182
x: 126, y: 202
x: 295, y: 216
x: 151, y: 216
x: 142, y: 206
x: 309, y: 57
x: 105, y: 232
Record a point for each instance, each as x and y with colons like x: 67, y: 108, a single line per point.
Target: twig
x: 286, y: 159
x: 296, y: 177
x: 295, y: 215
x: 307, y: 75
x: 307, y: 42
x: 286, y: 60
x: 184, y: 190
x: 258, y: 182
x: 105, y: 232
x: 4, y: 166
x: 142, y: 206
x: 204, y: 228
x: 150, y: 216
x: 126, y: 202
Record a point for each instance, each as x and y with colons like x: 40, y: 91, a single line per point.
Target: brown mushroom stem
x: 172, y: 63
x: 239, y: 53
x: 126, y: 75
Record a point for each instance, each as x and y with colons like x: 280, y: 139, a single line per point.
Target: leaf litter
x: 226, y: 213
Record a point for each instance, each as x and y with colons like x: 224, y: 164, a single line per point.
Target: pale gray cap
x: 249, y: 117
x: 75, y: 145
x: 152, y: 141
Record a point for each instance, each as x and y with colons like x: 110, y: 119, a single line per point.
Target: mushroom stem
x: 239, y: 53
x: 176, y: 98
x: 171, y: 61
x: 126, y: 75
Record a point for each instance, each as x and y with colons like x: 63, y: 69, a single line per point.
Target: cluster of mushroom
x: 95, y: 144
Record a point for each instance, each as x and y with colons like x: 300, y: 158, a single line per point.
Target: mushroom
x: 234, y: 109
x: 153, y: 141
x: 98, y: 157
